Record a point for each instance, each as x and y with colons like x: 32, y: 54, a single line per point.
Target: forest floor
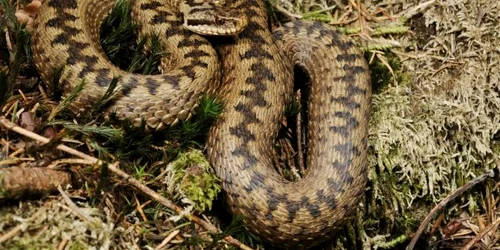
x: 434, y: 142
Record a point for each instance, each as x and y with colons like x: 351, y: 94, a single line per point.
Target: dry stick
x: 481, y: 235
x: 299, y: 131
x: 409, y: 13
x: 11, y: 126
x: 114, y: 168
x: 167, y: 240
x: 72, y: 207
x: 287, y: 13
x: 443, y: 203
x: 56, y: 163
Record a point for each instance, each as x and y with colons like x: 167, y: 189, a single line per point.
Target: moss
x: 382, y: 77
x: 195, y: 178
x: 430, y: 133
x: 395, y: 28
x: 318, y: 16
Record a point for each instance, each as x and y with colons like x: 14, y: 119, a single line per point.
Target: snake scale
x: 256, y: 68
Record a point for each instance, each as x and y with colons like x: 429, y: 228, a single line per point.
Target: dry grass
x: 435, y: 126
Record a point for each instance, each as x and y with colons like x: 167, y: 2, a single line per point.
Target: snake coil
x: 256, y: 85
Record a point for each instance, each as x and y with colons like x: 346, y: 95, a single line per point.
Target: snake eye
x: 219, y: 21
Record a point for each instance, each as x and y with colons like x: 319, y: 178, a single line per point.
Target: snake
x: 251, y: 70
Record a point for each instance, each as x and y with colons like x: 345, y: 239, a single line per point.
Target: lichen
x: 45, y: 225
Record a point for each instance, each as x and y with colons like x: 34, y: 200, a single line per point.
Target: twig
x: 288, y: 158
x: 56, y: 163
x: 417, y: 9
x: 74, y: 208
x: 300, y: 156
x: 168, y: 239
x: 62, y: 244
x: 135, y: 183
x: 139, y: 207
x: 9, y: 45
x: 11, y: 126
x: 287, y: 13
x: 443, y: 203
x: 481, y: 234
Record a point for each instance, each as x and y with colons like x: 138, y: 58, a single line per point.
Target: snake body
x: 256, y: 85
x: 66, y: 34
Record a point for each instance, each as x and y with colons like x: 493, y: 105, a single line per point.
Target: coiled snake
x: 256, y: 84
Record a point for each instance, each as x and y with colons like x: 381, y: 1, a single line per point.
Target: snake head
x: 211, y: 18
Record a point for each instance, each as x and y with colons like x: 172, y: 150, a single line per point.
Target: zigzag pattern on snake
x: 256, y: 85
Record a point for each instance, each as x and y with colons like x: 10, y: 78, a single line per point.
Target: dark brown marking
x: 256, y: 182
x: 189, y: 71
x: 60, y: 39
x: 196, y: 22
x: 342, y: 171
x: 353, y: 70
x: 200, y: 64
x: 250, y: 31
x: 346, y: 101
x: 312, y: 28
x: 152, y: 85
x: 347, y: 78
x: 274, y: 199
x: 250, y: 159
x: 129, y: 85
x: 257, y: 98
x: 342, y: 130
x: 248, y: 114
x: 338, y: 41
x: 194, y: 3
x: 150, y: 6
x: 313, y: 209
x: 257, y: 52
x: 354, y: 90
x: 196, y: 54
x: 342, y: 166
x: 292, y: 208
x: 347, y: 149
x: 345, y: 130
x: 71, y: 31
x: 158, y: 19
x: 60, y: 20
x: 348, y: 57
x: 297, y: 27
x: 89, y: 61
x: 176, y: 29
x: 264, y: 74
x: 103, y: 77
x: 77, y: 47
x: 172, y: 80
x: 335, y: 187
x: 243, y: 133
x: 63, y: 4
x: 75, y: 51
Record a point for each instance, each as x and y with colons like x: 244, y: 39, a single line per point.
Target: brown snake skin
x: 66, y: 33
x: 256, y: 85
